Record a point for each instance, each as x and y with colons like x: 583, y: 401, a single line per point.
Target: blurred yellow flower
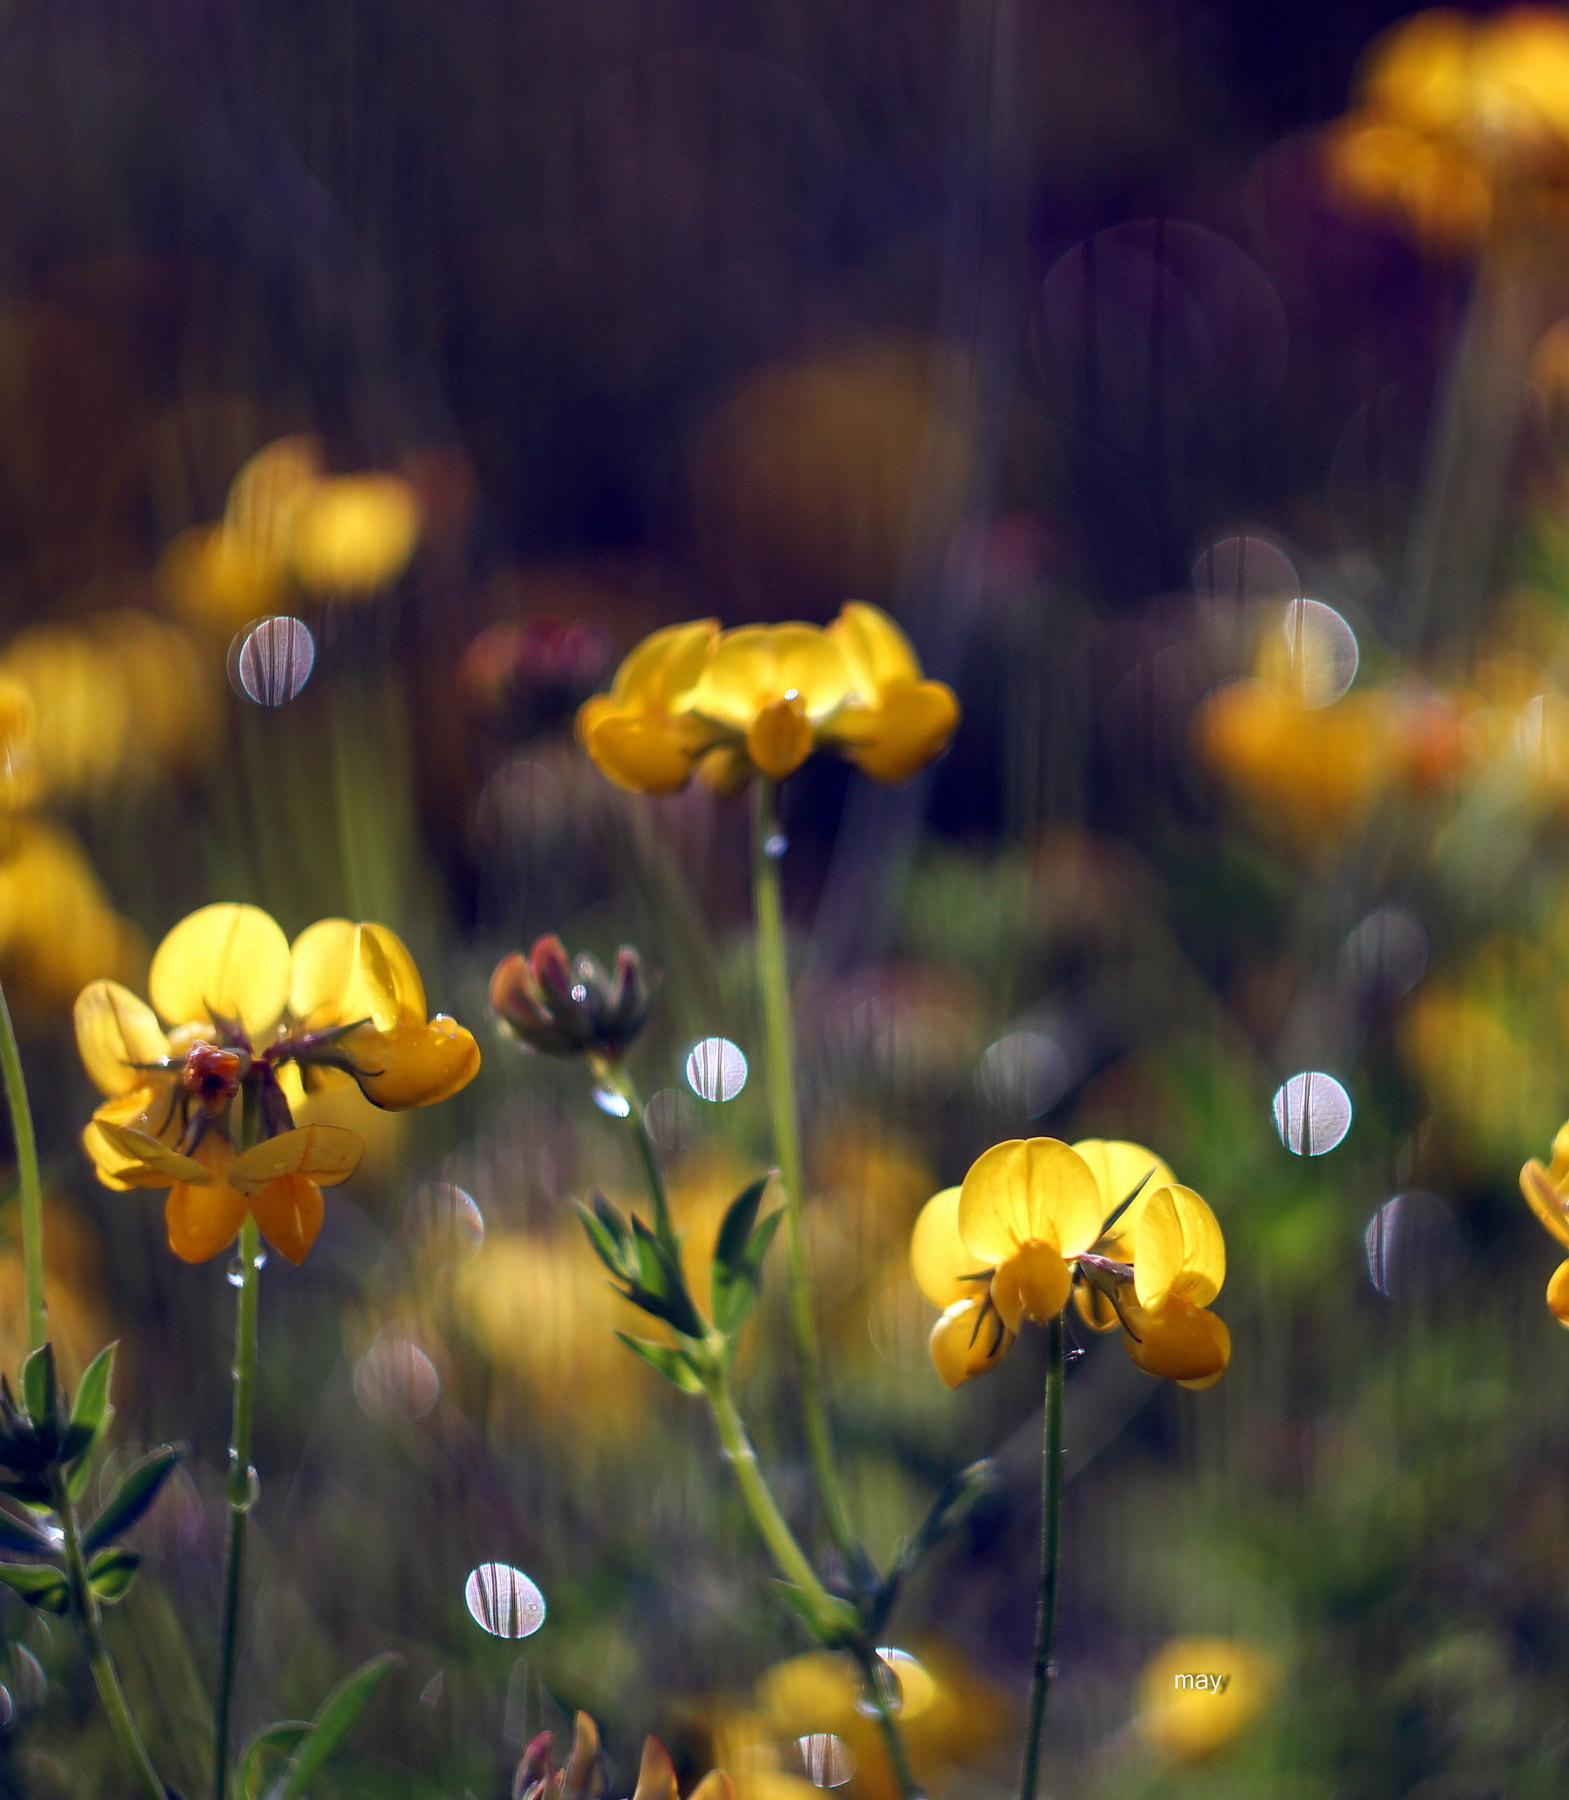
x: 761, y: 699
x: 195, y: 1100
x: 1198, y: 1693
x: 1033, y: 1220
x: 1547, y: 1194
x: 1458, y: 122
x: 351, y: 535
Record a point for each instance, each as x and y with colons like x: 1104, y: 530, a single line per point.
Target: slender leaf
x: 736, y: 1283
x: 832, y: 1624
x: 39, y: 1585
x: 333, y: 1719
x: 25, y: 1536
x: 282, y: 1738
x: 673, y: 1364
x: 660, y: 1275
x: 607, y: 1247
x: 610, y: 1217
x: 31, y: 1490
x: 90, y: 1411
x: 735, y: 1233
x: 40, y: 1385
x: 112, y: 1571
x: 135, y: 1492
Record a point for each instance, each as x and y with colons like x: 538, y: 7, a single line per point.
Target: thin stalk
x: 613, y: 1076
x: 84, y: 1604
x: 888, y: 1724
x: 1051, y: 1556
x: 27, y: 1177
x: 241, y: 1494
x: 779, y: 1041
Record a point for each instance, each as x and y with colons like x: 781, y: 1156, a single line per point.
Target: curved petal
x: 148, y: 1161
x: 1558, y: 1293
x: 968, y: 1340
x: 938, y: 1258
x: 1181, y: 1342
x: 1028, y: 1190
x: 664, y: 666
x: 114, y: 1032
x: 1178, y: 1250
x: 1094, y: 1308
x: 203, y: 1220
x: 150, y: 1109
x: 779, y: 739
x: 415, y: 1065
x: 643, y: 755
x: 739, y: 678
x: 1546, y: 1200
x: 656, y: 1775
x: 908, y: 729
x: 327, y: 1153
x: 323, y: 961
x: 386, y: 966
x: 1031, y: 1284
x: 717, y: 1785
x: 877, y: 651
x: 1121, y: 1168
x: 810, y: 667
x: 289, y: 1212
x: 223, y: 962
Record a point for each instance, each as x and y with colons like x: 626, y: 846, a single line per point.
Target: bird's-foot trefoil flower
x: 568, y: 1005
x: 1037, y: 1220
x: 198, y: 1085
x: 1547, y: 1194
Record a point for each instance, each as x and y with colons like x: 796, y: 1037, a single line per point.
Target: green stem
x: 84, y: 1604
x: 893, y: 1738
x: 1051, y: 1557
x: 779, y: 1040
x: 613, y: 1076
x: 241, y: 1494
x: 27, y: 1177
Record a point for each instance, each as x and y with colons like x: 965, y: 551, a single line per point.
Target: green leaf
x: 40, y: 1385
x: 673, y: 1364
x: 133, y: 1494
x: 333, y: 1718
x: 38, y: 1584
x: 112, y: 1571
x: 736, y: 1282
x: 282, y: 1738
x: 956, y: 1500
x: 661, y: 1282
x: 610, y: 1250
x: 90, y: 1411
x: 735, y: 1233
x: 23, y: 1535
x: 30, y: 1490
x: 830, y: 1620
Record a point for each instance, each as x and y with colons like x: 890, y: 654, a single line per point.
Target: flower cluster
x: 199, y: 1085
x: 583, y: 1778
x: 760, y: 699
x: 1037, y: 1220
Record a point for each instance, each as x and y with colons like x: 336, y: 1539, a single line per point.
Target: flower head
x: 198, y: 1085
x: 1036, y: 1220
x: 569, y: 1006
x: 583, y: 1778
x: 1198, y: 1693
x: 759, y: 700
x: 1547, y: 1194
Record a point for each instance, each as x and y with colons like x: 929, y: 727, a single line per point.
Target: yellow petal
x: 1182, y: 1342
x: 114, y: 1032
x: 717, y: 1785
x: 656, y: 1776
x: 289, y: 1212
x: 203, y: 1220
x: 1178, y: 1250
x: 149, y: 1162
x: 1558, y: 1293
x: 878, y: 652
x: 810, y: 667
x: 323, y: 969
x: 327, y: 1153
x: 664, y: 666
x: 910, y: 727
x: 150, y: 1109
x: 1545, y: 1200
x: 1094, y: 1308
x: 937, y: 1254
x: 1028, y: 1190
x: 968, y: 1340
x: 416, y: 1065
x: 1031, y: 1284
x: 224, y: 961
x: 351, y: 534
x: 642, y: 755
x: 779, y: 739
x: 1119, y: 1168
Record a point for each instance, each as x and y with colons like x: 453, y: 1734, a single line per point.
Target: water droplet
x: 1323, y: 651
x: 579, y: 992
x: 395, y: 1380
x: 908, y: 1690
x: 235, y: 1273
x: 448, y: 1221
x: 608, y: 1100
x: 503, y: 1601
x: 826, y: 1761
x: 273, y: 661
x: 775, y: 845
x: 716, y: 1069
x: 1024, y: 1074
x: 673, y: 1120
x: 1245, y: 568
x: 259, y: 1261
x: 243, y: 1489
x: 1312, y: 1113
x: 1410, y: 1244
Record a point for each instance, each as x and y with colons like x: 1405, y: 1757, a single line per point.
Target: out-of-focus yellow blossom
x: 1030, y: 1222
x: 57, y: 928
x: 760, y: 699
x: 1547, y: 1194
x: 219, y: 580
x: 1185, y: 1721
x: 74, y: 1293
x: 195, y: 1098
x: 351, y: 535
x: 1460, y: 123
x: 18, y: 745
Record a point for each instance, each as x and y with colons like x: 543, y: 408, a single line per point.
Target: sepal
x: 675, y: 1365
x: 134, y: 1493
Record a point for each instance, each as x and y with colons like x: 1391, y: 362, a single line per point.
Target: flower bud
x: 568, y: 1006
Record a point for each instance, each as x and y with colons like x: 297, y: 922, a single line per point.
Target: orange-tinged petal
x: 386, y: 965
x: 1028, y: 1190
x: 148, y: 1161
x: 717, y: 1785
x: 910, y: 727
x: 642, y: 755
x: 938, y: 1257
x: 968, y: 1340
x: 1031, y: 1284
x: 416, y: 1065
x: 203, y: 1220
x: 327, y: 1153
x: 1421, y: 70
x: 114, y: 1032
x: 779, y: 739
x: 1181, y: 1342
x: 1558, y: 1293
x: 1546, y: 1200
x: 148, y: 1109
x: 1094, y: 1308
x: 656, y: 1776
x: 223, y: 962
x: 1178, y: 1250
x: 1120, y: 1168
x: 289, y: 1212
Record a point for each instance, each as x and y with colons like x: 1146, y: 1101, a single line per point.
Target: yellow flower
x: 642, y: 734
x: 352, y: 534
x: 1547, y: 1194
x: 196, y: 1097
x: 1197, y: 1693
x: 762, y: 698
x: 1037, y: 1219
